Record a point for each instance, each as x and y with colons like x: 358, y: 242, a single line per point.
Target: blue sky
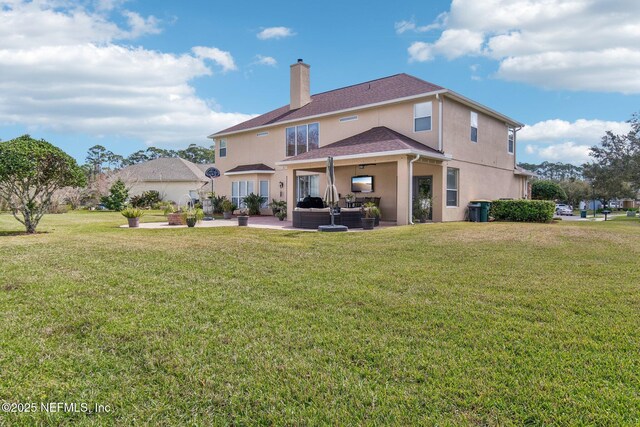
x: 128, y: 74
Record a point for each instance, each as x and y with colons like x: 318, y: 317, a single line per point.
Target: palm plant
x: 253, y: 202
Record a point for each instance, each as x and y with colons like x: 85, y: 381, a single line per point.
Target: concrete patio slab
x: 264, y: 221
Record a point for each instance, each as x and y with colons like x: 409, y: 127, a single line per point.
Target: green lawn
x: 447, y: 324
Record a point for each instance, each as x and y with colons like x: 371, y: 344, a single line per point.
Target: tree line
x: 614, y: 172
x: 99, y: 158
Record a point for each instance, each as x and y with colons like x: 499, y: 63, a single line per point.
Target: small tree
x: 117, y: 197
x: 30, y: 173
x: 547, y: 190
x: 576, y: 191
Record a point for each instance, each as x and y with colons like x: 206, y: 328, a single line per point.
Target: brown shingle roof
x: 374, y: 91
x: 376, y: 140
x: 253, y: 167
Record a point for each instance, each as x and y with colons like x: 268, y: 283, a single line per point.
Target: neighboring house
x: 407, y: 134
x: 174, y: 178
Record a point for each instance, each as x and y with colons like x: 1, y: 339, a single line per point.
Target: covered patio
x: 399, y: 168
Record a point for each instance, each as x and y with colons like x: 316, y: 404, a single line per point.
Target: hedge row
x: 522, y: 210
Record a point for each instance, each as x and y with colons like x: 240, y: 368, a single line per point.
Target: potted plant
x: 193, y: 216
x: 278, y: 206
x: 371, y: 212
x: 281, y: 215
x: 422, y: 208
x: 133, y: 216
x: 227, y: 208
x: 243, y: 218
x: 253, y: 202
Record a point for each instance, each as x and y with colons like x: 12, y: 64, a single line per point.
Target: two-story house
x: 390, y: 138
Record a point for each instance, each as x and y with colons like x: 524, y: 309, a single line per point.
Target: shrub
x: 253, y: 203
x: 227, y: 206
x: 547, y: 190
x: 118, y: 193
x: 146, y: 199
x: 216, y: 203
x: 522, y: 210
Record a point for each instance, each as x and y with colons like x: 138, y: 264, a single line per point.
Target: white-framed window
x: 259, y: 134
x: 263, y: 191
x: 511, y: 140
x: 222, y: 146
x: 239, y: 190
x: 474, y: 126
x: 308, y: 185
x: 452, y: 187
x: 303, y: 138
x: 422, y: 116
x: 348, y: 119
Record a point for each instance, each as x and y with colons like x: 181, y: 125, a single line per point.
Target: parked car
x: 564, y: 210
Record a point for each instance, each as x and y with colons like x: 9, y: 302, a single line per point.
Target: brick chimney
x: 300, y: 93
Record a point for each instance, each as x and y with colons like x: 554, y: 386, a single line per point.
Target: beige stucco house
x: 175, y: 179
x: 399, y: 133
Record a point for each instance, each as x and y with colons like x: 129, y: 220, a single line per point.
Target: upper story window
x: 222, y: 146
x: 422, y: 116
x: 474, y: 126
x: 511, y: 140
x: 303, y: 138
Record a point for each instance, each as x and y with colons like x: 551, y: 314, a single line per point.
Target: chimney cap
x: 300, y: 60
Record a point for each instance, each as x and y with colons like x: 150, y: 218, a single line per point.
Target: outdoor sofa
x: 312, y: 218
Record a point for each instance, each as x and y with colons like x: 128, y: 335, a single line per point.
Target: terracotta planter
x: 368, y: 223
x: 226, y: 215
x: 134, y: 222
x: 175, y: 219
x: 243, y: 221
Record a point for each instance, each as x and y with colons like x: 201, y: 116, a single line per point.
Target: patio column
x: 291, y: 191
x: 402, y: 198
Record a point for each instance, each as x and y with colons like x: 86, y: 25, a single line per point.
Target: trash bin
x: 583, y: 213
x: 485, y: 205
x: 474, y: 212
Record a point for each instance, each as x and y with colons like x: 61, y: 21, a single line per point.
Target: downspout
x: 515, y: 138
x: 439, y: 122
x: 411, y: 188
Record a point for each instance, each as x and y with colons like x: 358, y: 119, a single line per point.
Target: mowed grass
x: 447, y: 324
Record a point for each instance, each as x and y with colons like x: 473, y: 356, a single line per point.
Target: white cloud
x: 582, y: 130
x: 275, y: 33
x: 411, y: 26
x: 61, y: 70
x: 266, y: 60
x: 565, y: 152
x: 220, y: 57
x: 568, y: 142
x: 578, y: 45
x: 140, y: 25
x: 452, y: 44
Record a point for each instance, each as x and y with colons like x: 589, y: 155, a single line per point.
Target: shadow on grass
x: 20, y: 233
